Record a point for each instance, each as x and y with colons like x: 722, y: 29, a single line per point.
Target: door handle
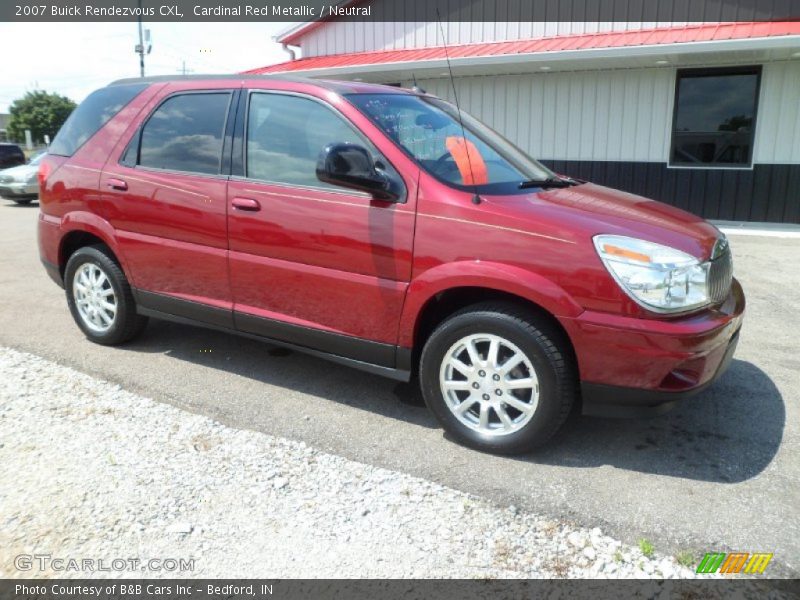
x: 117, y: 184
x: 247, y: 204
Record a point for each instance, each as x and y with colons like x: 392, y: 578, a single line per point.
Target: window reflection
x: 285, y: 135
x: 185, y: 134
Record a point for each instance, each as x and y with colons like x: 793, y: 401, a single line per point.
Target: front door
x: 315, y: 264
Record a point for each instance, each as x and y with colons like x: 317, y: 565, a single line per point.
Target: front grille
x: 720, y: 275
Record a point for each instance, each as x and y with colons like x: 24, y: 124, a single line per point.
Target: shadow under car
x: 729, y: 433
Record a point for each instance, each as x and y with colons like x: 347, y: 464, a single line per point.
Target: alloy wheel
x: 94, y: 297
x: 489, y: 384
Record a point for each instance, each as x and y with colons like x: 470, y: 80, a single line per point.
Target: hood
x: 587, y: 210
x: 20, y: 173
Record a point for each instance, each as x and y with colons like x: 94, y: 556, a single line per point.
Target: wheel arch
x: 434, y: 296
x: 86, y: 229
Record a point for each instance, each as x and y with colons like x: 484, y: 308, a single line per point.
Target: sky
x: 74, y: 59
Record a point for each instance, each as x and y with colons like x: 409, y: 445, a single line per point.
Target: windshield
x: 428, y: 129
x: 37, y: 158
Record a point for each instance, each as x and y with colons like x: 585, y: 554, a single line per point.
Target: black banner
x: 361, y: 589
x: 646, y: 11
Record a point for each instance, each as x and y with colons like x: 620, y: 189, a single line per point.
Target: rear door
x: 319, y: 265
x: 166, y: 197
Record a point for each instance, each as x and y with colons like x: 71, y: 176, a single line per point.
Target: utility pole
x: 140, y: 47
x: 183, y: 70
x: 144, y: 37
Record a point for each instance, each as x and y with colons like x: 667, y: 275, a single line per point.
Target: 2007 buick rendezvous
x: 364, y: 224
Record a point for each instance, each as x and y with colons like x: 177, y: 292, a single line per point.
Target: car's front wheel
x: 100, y: 298
x: 498, y: 378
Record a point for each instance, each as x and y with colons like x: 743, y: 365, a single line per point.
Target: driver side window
x: 285, y: 135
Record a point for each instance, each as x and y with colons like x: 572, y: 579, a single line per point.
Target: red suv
x: 383, y: 229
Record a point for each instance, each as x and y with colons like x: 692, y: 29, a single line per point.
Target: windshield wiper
x: 550, y: 182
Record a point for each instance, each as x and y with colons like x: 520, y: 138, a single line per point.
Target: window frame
x: 756, y: 70
x: 243, y: 129
x: 136, y: 138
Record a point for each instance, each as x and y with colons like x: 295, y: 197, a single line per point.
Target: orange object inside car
x: 468, y: 160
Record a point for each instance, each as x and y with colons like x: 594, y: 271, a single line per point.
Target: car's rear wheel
x: 100, y: 298
x: 498, y: 378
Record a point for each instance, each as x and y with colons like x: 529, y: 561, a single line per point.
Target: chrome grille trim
x: 720, y: 276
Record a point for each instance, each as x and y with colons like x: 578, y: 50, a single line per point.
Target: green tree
x: 41, y: 112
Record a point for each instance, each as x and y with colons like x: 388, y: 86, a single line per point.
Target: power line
x: 207, y: 62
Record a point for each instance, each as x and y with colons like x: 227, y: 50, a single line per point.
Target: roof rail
x: 232, y: 76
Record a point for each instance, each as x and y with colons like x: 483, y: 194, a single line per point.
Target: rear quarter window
x: 94, y: 112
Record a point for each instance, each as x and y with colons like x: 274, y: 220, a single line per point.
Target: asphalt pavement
x: 720, y: 472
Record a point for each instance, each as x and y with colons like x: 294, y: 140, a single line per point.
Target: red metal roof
x: 612, y: 39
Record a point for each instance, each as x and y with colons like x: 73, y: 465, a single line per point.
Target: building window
x: 715, y: 117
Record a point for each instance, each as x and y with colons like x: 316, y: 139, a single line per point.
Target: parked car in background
x: 384, y: 229
x: 21, y: 184
x: 11, y: 155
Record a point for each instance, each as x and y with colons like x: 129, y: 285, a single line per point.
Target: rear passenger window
x: 285, y: 135
x: 185, y: 133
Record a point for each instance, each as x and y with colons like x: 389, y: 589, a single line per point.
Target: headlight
x: 660, y: 278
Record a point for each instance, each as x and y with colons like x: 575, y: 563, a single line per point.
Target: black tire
x: 543, y: 344
x: 127, y: 324
x: 23, y: 201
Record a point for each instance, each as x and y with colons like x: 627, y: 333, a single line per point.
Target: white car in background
x: 20, y: 184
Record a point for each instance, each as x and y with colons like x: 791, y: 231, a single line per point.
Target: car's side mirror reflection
x: 352, y: 166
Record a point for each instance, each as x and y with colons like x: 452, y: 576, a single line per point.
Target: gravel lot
x: 93, y: 471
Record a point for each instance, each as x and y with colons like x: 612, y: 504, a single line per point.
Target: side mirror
x: 351, y: 166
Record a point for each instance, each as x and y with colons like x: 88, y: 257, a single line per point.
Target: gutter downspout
x: 289, y: 51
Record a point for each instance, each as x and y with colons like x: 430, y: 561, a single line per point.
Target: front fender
x: 482, y: 274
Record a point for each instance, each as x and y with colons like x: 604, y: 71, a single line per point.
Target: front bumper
x: 631, y: 367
